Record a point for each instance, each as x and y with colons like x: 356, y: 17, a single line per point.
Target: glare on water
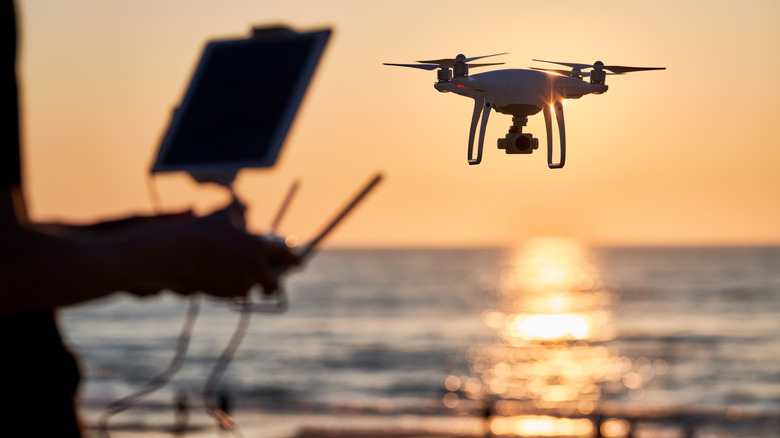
x: 550, y: 362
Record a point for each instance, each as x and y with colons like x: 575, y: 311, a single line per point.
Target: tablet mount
x: 257, y: 300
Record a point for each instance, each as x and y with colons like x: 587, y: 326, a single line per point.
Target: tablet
x: 240, y: 103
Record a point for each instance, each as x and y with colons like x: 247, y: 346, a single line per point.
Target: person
x: 43, y: 268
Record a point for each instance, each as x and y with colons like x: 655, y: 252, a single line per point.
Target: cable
x: 224, y: 420
x: 173, y: 367
x: 182, y: 344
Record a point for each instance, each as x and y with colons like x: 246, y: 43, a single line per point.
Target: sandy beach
x: 272, y: 425
x: 660, y: 423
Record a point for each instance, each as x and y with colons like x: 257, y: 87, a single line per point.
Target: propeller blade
x: 451, y: 61
x: 552, y: 70
x: 485, y: 65
x: 619, y: 69
x: 616, y: 69
x: 485, y: 56
x: 444, y: 61
x: 567, y: 64
x: 423, y: 67
x: 583, y: 74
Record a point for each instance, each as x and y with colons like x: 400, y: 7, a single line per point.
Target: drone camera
x: 518, y: 143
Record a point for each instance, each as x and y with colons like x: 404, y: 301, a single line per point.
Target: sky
x: 684, y: 156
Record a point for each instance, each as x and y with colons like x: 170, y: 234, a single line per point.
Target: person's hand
x: 215, y: 255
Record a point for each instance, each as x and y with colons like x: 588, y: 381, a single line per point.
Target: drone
x: 520, y: 93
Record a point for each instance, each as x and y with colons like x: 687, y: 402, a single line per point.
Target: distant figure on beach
x: 43, y: 268
x: 224, y: 406
x: 181, y: 413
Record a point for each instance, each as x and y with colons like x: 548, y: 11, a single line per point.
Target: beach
x: 252, y: 424
x: 270, y: 425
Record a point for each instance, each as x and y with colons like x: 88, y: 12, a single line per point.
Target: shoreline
x: 160, y: 423
x: 253, y: 423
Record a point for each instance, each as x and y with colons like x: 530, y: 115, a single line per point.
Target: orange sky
x: 682, y: 156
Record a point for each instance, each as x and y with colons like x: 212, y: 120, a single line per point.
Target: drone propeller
x: 446, y: 63
x: 560, y: 72
x: 573, y: 73
x: 423, y: 67
x: 449, y: 62
x: 598, y: 65
x: 435, y: 66
x: 619, y: 69
x: 485, y: 64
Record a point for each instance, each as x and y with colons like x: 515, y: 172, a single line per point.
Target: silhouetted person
x: 488, y: 412
x: 181, y: 412
x: 224, y: 403
x: 689, y: 428
x: 224, y: 412
x: 44, y: 268
x: 597, y: 423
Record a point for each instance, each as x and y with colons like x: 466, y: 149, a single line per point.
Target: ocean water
x: 675, y: 337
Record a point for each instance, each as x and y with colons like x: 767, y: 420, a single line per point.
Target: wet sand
x: 269, y: 425
x: 251, y: 423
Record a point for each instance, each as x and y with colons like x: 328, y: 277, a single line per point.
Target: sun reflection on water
x: 550, y: 363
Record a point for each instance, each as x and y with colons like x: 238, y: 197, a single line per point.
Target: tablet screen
x: 240, y: 103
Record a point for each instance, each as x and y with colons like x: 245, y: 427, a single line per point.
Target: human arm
x: 39, y: 271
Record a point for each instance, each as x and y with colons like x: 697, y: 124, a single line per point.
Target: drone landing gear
x: 483, y: 106
x: 561, y: 135
x: 515, y: 141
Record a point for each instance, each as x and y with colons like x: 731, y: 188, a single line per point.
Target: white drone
x: 521, y: 93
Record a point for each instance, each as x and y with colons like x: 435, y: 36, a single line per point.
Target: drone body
x: 520, y: 93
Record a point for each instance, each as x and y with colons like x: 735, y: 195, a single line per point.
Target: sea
x: 660, y: 341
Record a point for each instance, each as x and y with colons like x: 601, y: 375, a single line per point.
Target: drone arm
x: 485, y: 105
x: 561, y: 135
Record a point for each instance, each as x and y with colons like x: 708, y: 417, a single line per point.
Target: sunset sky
x: 685, y: 156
